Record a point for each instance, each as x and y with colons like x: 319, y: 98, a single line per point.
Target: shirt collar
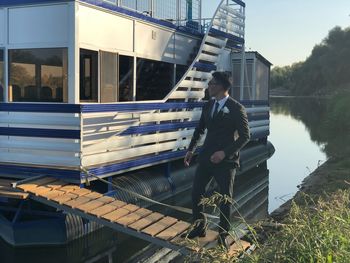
x: 222, y: 101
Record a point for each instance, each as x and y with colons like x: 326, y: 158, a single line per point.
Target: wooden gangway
x: 130, y: 219
x: 7, y: 191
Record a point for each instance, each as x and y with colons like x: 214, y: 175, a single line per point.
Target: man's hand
x: 188, y: 158
x: 217, y: 157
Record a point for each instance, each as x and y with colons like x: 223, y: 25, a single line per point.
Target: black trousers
x: 224, y: 175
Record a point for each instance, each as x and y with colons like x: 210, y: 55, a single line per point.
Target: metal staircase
x: 226, y: 27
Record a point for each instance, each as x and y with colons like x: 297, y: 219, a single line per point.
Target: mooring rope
x: 173, y: 207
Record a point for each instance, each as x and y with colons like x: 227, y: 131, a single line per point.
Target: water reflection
x: 324, y: 127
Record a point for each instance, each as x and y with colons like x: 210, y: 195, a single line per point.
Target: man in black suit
x: 222, y: 116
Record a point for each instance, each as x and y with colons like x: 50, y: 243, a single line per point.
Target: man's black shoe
x: 223, y: 241
x: 198, y: 231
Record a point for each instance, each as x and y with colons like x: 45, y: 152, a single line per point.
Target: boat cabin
x: 111, y: 86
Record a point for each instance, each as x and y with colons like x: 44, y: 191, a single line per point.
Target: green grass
x: 316, y: 229
x: 316, y: 232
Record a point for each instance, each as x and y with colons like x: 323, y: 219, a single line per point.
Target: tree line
x: 325, y: 72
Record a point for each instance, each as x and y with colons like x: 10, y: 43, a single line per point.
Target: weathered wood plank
x: 81, y: 192
x: 89, y: 206
x: 211, y: 236
x: 238, y: 247
x: 78, y: 201
x: 52, y: 194
x: 145, y: 222
x: 64, y: 198
x: 131, y: 207
x: 36, y: 183
x: 159, y: 226
x: 94, y: 195
x: 174, y: 230
x: 116, y: 214
x: 110, y: 205
x: 13, y: 194
x: 134, y: 216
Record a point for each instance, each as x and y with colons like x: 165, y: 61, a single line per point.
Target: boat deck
x: 130, y: 219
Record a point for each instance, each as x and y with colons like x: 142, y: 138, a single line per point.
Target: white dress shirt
x: 221, y: 104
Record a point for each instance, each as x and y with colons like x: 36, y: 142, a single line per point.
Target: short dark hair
x: 223, y: 79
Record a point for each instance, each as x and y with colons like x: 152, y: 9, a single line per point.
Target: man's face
x: 214, y: 88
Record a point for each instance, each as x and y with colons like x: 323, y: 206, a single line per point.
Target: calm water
x: 301, y: 145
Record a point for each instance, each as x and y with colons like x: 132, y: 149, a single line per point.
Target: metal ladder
x: 227, y: 26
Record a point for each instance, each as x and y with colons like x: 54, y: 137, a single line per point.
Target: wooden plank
x: 174, y: 230
x: 89, y: 206
x: 69, y: 188
x: 145, y: 222
x: 211, y: 236
x: 134, y: 216
x: 131, y: 207
x: 32, y: 185
x: 103, y: 210
x: 107, y: 199
x: 13, y: 194
x: 159, y: 226
x: 111, y: 205
x: 64, y: 198
x: 78, y: 201
x: 52, y: 194
x: 94, y: 195
x: 238, y: 247
x: 81, y: 192
x: 116, y: 214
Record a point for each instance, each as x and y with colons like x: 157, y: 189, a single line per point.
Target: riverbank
x: 314, y: 225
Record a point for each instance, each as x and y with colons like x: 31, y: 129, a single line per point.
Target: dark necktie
x: 217, y: 104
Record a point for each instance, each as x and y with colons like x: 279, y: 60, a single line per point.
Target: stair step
x: 209, y: 58
x: 230, y: 19
x: 216, y: 41
x: 193, y: 84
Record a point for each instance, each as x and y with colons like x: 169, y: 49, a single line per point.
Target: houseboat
x: 114, y: 89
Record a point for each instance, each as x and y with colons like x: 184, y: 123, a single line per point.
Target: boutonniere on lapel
x: 225, y: 110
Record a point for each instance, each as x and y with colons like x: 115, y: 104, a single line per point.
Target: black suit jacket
x: 221, y: 131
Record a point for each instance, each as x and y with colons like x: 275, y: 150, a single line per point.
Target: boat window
x: 38, y: 75
x: 109, y: 78
x: 1, y: 75
x: 88, y: 75
x: 126, y: 78
x: 155, y: 79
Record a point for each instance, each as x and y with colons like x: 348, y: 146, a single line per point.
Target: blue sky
x: 285, y: 31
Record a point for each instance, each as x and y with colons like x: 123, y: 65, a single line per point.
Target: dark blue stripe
x: 27, y: 2
x: 235, y: 39
x: 177, y: 125
x: 239, y: 2
x: 259, y: 117
x: 85, y: 108
x: 42, y: 133
x: 32, y: 107
x: 255, y: 102
x: 206, y: 67
x: 159, y: 127
x: 260, y: 135
x: 29, y: 171
x: 113, y: 168
x: 128, y: 107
